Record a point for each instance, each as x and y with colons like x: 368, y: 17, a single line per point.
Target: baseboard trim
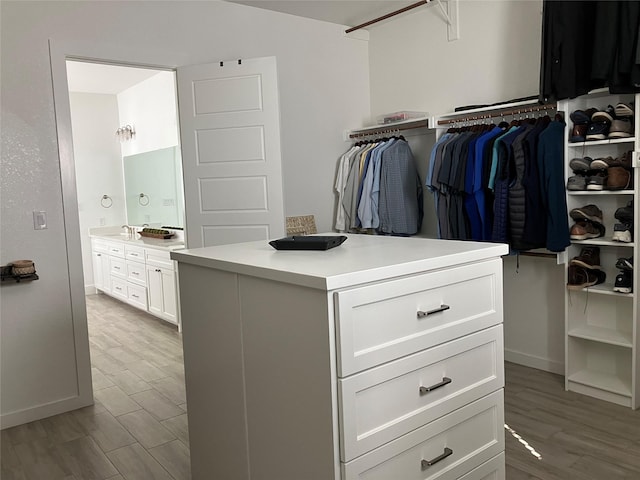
x: 534, y: 362
x: 39, y: 412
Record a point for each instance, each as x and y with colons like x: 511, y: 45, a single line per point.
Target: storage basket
x: 301, y: 225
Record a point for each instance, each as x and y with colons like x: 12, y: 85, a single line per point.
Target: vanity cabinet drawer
x: 134, y: 253
x: 136, y: 273
x: 118, y: 267
x: 494, y: 469
x: 158, y: 258
x: 99, y: 246
x: 115, y: 249
x: 448, y: 447
x: 384, y: 321
x: 137, y: 296
x: 119, y: 288
x: 388, y: 401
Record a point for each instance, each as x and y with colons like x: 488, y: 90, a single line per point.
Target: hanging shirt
x: 340, y: 185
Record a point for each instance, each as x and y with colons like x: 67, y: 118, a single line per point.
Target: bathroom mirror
x: 153, y: 188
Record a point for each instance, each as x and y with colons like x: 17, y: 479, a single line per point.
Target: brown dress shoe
x: 618, y: 178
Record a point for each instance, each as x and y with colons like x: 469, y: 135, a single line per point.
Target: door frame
x: 59, y: 53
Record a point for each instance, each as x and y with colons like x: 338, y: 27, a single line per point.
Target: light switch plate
x: 39, y: 219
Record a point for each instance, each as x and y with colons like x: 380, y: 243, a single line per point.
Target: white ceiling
x: 100, y: 78
x: 343, y: 12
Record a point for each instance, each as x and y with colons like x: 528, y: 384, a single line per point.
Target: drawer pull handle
x: 135, y: 273
x: 445, y: 381
x: 427, y: 463
x: 442, y: 308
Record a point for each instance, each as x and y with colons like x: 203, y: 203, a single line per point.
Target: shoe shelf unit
x: 602, y: 328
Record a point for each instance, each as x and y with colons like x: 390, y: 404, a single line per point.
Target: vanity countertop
x: 115, y: 235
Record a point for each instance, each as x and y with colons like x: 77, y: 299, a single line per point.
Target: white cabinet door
x: 169, y: 307
x: 161, y: 290
x: 98, y: 281
x: 230, y: 136
x: 154, y: 289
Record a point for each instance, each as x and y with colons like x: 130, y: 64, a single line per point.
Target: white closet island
x: 378, y: 359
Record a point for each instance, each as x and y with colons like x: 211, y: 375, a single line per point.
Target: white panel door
x: 230, y: 129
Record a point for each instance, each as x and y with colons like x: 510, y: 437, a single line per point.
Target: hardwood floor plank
x: 100, y: 380
x: 171, y: 388
x: 147, y: 430
x: 25, y: 433
x: 146, y: 371
x: 107, y: 432
x: 85, y: 459
x: 129, y: 382
x: 174, y: 457
x: 135, y: 463
x: 107, y: 364
x: 179, y: 426
x: 157, y: 404
x: 40, y: 459
x: 116, y: 401
x: 63, y: 428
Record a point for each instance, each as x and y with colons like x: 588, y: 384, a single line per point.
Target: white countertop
x: 360, y: 259
x: 113, y: 234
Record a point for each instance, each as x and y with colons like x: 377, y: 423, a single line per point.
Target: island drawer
x: 381, y: 322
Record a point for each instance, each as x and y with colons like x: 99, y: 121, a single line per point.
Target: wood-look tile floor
x: 137, y: 428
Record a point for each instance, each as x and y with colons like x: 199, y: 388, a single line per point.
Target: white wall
x: 150, y: 107
x: 497, y: 58
x: 98, y: 165
x: 415, y: 67
x: 323, y: 82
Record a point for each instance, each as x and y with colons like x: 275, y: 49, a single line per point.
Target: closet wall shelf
x: 600, y: 142
x: 503, y: 110
x: 414, y: 123
x: 604, y: 289
x: 601, y: 192
x: 602, y: 335
x: 604, y: 242
x: 602, y: 381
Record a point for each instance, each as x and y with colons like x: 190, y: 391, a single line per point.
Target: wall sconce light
x: 125, y: 133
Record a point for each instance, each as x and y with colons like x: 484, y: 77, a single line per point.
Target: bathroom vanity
x: 378, y: 359
x: 137, y: 270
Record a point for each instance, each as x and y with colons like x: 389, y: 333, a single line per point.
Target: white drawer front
x: 136, y: 273
x: 388, y: 320
x: 116, y: 249
x: 137, y: 296
x: 134, y: 253
x: 454, y: 444
x: 118, y: 267
x: 391, y: 400
x: 119, y: 288
x: 158, y: 258
x: 494, y: 469
x: 99, y: 246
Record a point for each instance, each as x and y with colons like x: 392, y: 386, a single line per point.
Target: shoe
x: 604, y: 116
x: 589, y: 258
x: 601, y: 163
x: 625, y: 214
x: 618, y: 178
x: 581, y: 164
x: 624, y: 110
x: 580, y: 277
x: 622, y: 161
x: 577, y: 182
x: 621, y: 128
x: 584, y: 230
x: 581, y: 117
x: 622, y: 233
x: 579, y: 133
x: 625, y: 264
x: 588, y: 212
x: 597, y: 181
x: 597, y: 131
x: 624, y: 282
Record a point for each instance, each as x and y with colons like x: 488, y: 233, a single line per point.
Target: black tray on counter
x: 303, y: 242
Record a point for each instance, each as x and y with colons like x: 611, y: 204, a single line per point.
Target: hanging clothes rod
x: 390, y: 128
x: 388, y: 15
x: 499, y: 113
x: 538, y: 254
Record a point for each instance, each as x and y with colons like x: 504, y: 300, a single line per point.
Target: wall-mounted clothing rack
x: 494, y: 112
x: 450, y: 16
x: 390, y: 128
